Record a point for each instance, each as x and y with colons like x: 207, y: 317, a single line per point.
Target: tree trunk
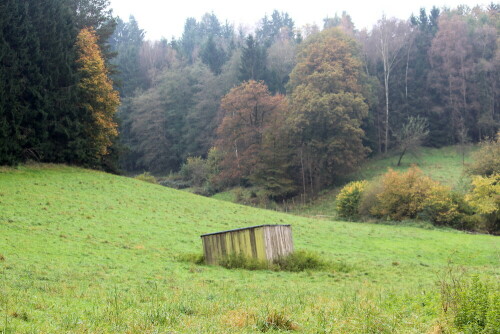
x: 386, y: 84
x: 401, y: 156
x: 303, y: 173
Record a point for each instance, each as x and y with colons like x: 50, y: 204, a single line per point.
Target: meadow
x: 87, y: 252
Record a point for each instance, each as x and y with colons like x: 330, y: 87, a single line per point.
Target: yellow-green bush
x: 349, y: 198
x: 485, y: 198
x: 368, y: 198
x: 410, y: 195
x: 442, y: 207
x: 486, y: 161
x: 403, y: 195
x: 146, y: 177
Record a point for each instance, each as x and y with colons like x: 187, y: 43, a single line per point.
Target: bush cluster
x: 197, y: 174
x: 412, y: 195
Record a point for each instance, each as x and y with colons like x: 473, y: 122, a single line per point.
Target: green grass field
x: 88, y: 252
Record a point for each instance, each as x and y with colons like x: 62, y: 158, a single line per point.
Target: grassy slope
x: 444, y: 165
x: 90, y: 252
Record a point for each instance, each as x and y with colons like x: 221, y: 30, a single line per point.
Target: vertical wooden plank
x: 260, y: 243
x: 253, y: 244
x: 278, y: 240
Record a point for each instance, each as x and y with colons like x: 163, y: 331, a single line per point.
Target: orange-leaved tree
x: 248, y: 113
x: 98, y: 100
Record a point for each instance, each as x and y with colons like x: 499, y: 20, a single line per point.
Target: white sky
x: 162, y: 18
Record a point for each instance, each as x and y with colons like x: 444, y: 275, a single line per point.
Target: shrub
x: 175, y: 183
x: 441, y: 207
x: 146, y: 177
x: 485, y: 198
x: 403, y: 195
x: 369, y: 198
x: 487, y: 158
x: 349, y: 198
x: 299, y: 261
x: 195, y: 171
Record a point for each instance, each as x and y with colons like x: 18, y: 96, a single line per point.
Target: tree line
x: 284, y: 108
x: 57, y: 101
x: 291, y: 110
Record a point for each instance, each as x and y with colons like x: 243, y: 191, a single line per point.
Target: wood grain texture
x: 265, y: 242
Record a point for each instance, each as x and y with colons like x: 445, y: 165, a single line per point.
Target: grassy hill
x: 88, y: 252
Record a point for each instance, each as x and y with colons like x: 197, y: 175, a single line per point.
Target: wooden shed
x: 263, y: 242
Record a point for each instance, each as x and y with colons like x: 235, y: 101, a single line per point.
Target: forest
x: 288, y: 109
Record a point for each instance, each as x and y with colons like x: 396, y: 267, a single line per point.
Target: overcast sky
x: 161, y: 18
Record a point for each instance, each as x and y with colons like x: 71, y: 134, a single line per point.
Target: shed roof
x: 240, y: 229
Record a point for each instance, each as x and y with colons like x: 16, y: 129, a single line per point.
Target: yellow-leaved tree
x: 98, y: 100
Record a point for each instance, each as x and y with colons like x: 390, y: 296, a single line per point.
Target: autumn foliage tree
x: 327, y: 108
x: 98, y: 100
x: 248, y: 110
x: 465, y: 71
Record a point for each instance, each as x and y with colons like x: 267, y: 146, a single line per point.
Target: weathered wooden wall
x: 278, y: 241
x: 264, y: 242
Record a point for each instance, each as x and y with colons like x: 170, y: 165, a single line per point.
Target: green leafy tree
x: 253, y: 61
x: 213, y: 56
x: 98, y: 15
x: 14, y: 61
x: 273, y: 28
x: 126, y: 42
x: 327, y: 108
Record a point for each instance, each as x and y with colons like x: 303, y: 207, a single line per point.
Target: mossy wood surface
x: 265, y: 242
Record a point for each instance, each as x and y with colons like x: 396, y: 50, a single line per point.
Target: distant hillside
x: 88, y: 252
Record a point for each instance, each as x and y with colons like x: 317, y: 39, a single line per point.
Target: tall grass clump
x: 298, y: 261
x: 192, y: 258
x: 276, y: 321
x: 240, y: 261
x: 471, y: 305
